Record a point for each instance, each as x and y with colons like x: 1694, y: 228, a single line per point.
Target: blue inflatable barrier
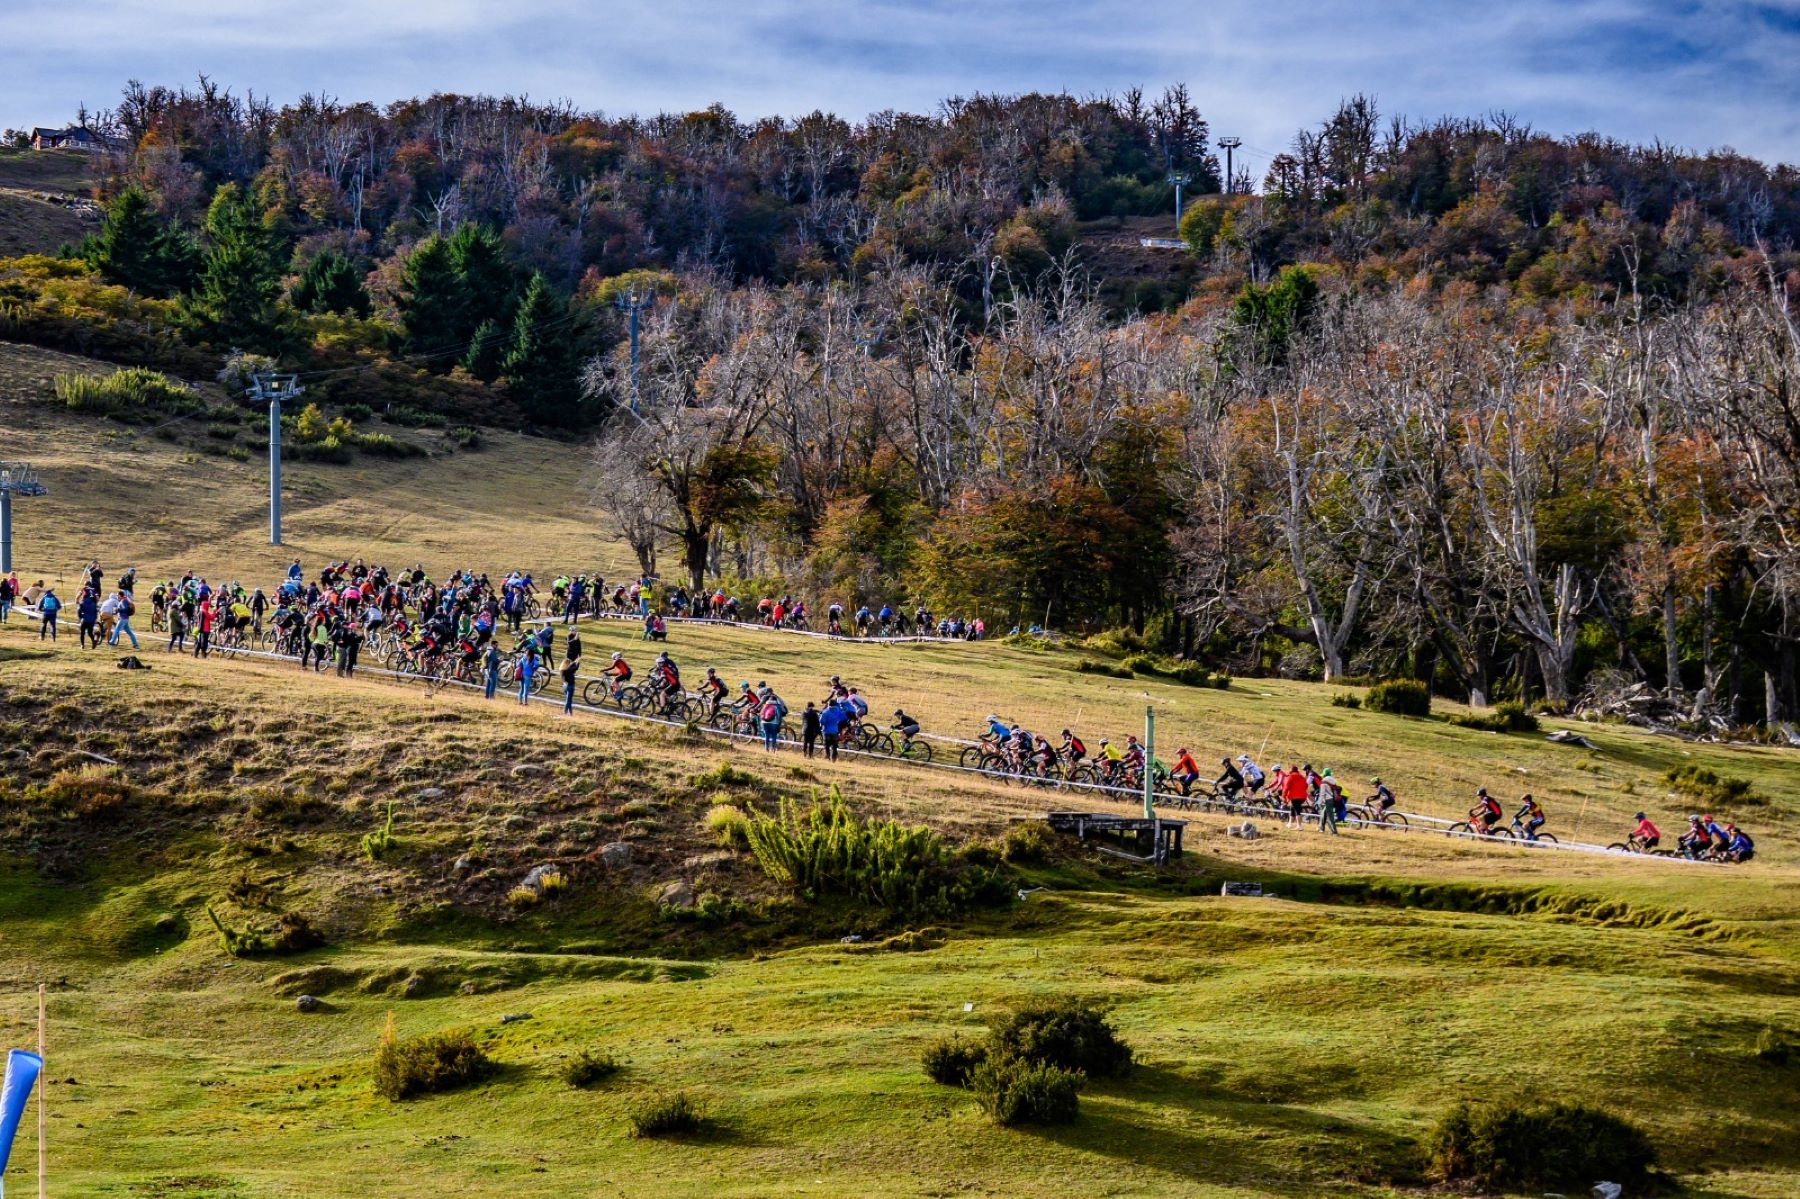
x: 22, y: 1070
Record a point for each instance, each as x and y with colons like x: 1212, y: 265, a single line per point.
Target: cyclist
x: 906, y: 726
x: 665, y: 676
x: 1019, y: 745
x: 858, y: 704
x: 1043, y: 755
x: 1186, y: 771
x: 834, y: 620
x: 1230, y: 781
x: 1740, y: 848
x: 1531, y: 816
x: 863, y: 620
x: 1693, y: 842
x: 1383, y: 799
x: 1072, y: 748
x: 712, y: 691
x: 1486, y: 812
x: 1111, y: 761
x: 1253, y: 775
x: 620, y: 672
x: 1646, y: 835
x: 1134, y: 752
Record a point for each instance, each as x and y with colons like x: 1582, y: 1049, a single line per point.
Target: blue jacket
x: 831, y: 720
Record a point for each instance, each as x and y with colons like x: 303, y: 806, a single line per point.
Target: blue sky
x: 1700, y: 74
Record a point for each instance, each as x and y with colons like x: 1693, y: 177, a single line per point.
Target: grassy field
x: 1297, y: 1045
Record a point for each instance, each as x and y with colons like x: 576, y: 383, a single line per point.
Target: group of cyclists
x: 449, y: 631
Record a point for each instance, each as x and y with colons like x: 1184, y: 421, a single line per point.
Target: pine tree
x: 431, y: 301
x: 539, y: 367
x: 135, y: 249
x: 235, y: 302
x: 487, y: 350
x: 331, y: 283
x: 490, y: 283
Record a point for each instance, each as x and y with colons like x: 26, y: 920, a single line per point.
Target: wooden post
x: 42, y: 1086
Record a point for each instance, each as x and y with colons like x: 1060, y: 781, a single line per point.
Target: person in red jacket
x: 1294, y: 789
x: 1186, y: 771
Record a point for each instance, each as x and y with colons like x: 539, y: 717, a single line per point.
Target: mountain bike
x: 1370, y: 812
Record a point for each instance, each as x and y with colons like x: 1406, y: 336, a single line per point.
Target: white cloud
x: 1699, y: 73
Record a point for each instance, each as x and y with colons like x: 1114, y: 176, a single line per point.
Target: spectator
x: 123, y: 610
x: 9, y: 588
x: 49, y: 604
x: 87, y: 613
x: 492, y: 671
x: 831, y: 723
x: 810, y: 727
x: 568, y: 677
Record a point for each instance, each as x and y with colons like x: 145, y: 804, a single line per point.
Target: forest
x: 1459, y: 400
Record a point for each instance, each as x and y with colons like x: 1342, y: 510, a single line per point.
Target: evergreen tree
x: 490, y: 283
x: 431, y: 301
x: 235, y: 302
x: 487, y: 351
x: 331, y: 283
x: 136, y: 249
x: 539, y: 367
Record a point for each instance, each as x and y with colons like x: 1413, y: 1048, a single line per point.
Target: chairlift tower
x: 634, y: 305
x: 272, y: 389
x: 1178, y: 179
x: 16, y: 478
x: 1228, y: 144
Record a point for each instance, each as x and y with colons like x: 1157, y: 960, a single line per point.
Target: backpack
x: 129, y: 608
x: 769, y: 711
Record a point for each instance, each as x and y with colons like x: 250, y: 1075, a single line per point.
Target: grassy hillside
x: 44, y: 201
x: 177, y: 498
x: 1300, y: 1045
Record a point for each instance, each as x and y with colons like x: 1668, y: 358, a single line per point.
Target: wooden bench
x: 1139, y: 838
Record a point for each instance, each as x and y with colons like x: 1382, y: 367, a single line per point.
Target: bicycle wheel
x: 1394, y: 819
x: 884, y: 743
x: 971, y: 756
x: 1501, y: 834
x: 1082, y: 775
x: 594, y: 693
x: 918, y: 751
x: 1356, y: 817
x: 1546, y: 838
x: 1621, y: 847
x: 1461, y: 828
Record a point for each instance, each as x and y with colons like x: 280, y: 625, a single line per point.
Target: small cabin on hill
x: 72, y: 137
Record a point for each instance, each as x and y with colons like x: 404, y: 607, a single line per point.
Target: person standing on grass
x: 49, y: 604
x: 321, y: 643
x: 1294, y: 788
x: 178, y: 628
x: 572, y: 648
x: 809, y: 728
x: 203, y: 632
x: 491, y: 669
x: 831, y: 723
x: 9, y: 588
x: 528, y: 668
x: 123, y: 610
x: 568, y: 677
x: 1329, y: 795
x: 771, y: 722
x: 87, y: 615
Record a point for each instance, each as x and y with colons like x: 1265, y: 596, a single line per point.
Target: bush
x: 86, y: 793
x: 1346, y: 699
x: 826, y: 850
x: 729, y: 825
x: 463, y: 437
x: 384, y: 446
x: 126, y: 395
x: 524, y: 897
x: 952, y: 1060
x: 380, y: 843
x: 589, y: 1067
x: 1093, y: 666
x: 355, y: 412
x: 1773, y: 1047
x: 413, y: 418
x: 1399, y: 697
x: 439, y: 1061
x: 1711, y: 789
x: 667, y: 1115
x: 1191, y: 673
x: 1028, y: 842
x: 1073, y: 1034
x: 1508, y: 1146
x: 1013, y: 1091
x: 1508, y: 717
x: 1119, y: 643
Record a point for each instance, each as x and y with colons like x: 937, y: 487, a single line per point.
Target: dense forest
x: 1512, y: 413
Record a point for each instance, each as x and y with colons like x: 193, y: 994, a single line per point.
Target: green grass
x: 1300, y: 1045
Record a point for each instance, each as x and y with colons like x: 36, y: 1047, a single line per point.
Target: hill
x: 1255, y: 1022
x: 45, y: 200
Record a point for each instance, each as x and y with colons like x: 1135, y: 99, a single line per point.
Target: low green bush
x: 439, y: 1061
x: 464, y: 437
x: 1094, y: 666
x: 414, y: 418
x: 1508, y: 717
x: 384, y: 446
x: 1708, y: 788
x: 1509, y: 1146
x: 131, y: 394
x: 952, y: 1060
x: 590, y: 1067
x: 1119, y: 643
x: 729, y: 825
x: 1346, y: 699
x: 1014, y: 1091
x: 1073, y: 1034
x: 1399, y: 697
x: 357, y: 412
x: 667, y: 1115
x: 1027, y: 843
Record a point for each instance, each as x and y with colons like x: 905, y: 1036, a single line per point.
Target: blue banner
x: 22, y: 1070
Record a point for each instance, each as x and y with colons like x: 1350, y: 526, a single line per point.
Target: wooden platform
x: 1145, y: 840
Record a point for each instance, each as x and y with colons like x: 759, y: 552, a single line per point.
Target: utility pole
x: 1149, y: 763
x: 16, y: 478
x: 272, y: 389
x: 1178, y: 179
x: 634, y: 304
x: 1228, y: 144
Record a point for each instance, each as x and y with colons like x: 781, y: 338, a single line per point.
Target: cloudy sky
x: 1699, y: 73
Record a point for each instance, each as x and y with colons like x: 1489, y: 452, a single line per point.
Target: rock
x: 526, y: 770
x: 306, y: 1003
x: 1245, y: 830
x: 468, y: 988
x: 534, y: 878
x: 676, y: 894
x: 515, y: 1017
x: 1566, y: 737
x: 722, y: 858
x: 432, y: 793
x: 413, y: 987
x: 615, y: 855
x: 461, y: 867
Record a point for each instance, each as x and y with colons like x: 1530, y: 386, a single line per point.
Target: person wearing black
x: 809, y: 728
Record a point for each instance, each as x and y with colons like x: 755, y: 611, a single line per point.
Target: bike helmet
x: 743, y: 686
x: 1693, y: 820
x: 993, y: 719
x: 1376, y: 781
x: 1244, y: 758
x: 1067, y: 733
x: 1637, y: 816
x: 618, y: 657
x: 899, y: 711
x: 834, y: 678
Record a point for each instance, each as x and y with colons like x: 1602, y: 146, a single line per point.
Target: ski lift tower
x: 16, y: 478
x: 270, y: 388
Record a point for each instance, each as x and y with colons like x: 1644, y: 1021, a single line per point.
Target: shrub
x: 1118, y: 643
x: 1073, y: 1034
x: 1399, y: 697
x: 463, y: 437
x: 1711, y: 789
x: 127, y: 394
x: 439, y: 1061
x: 356, y: 412
x: 729, y: 825
x: 1093, y: 666
x: 414, y: 418
x: 667, y: 1115
x: 1508, y: 717
x: 1028, y: 842
x: 86, y: 793
x: 378, y: 844
x: 524, y: 897
x: 1773, y: 1047
x: 383, y: 446
x: 294, y: 933
x: 1013, y: 1091
x: 589, y: 1067
x: 553, y: 882
x: 1346, y: 699
x: 237, y: 943
x: 952, y: 1060
x: 826, y: 850
x: 1191, y: 673
x: 1508, y: 1146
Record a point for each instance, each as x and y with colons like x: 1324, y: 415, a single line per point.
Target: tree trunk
x: 695, y: 544
x: 1671, y: 648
